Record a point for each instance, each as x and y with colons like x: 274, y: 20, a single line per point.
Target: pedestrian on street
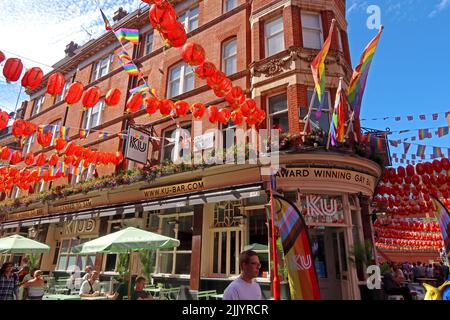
x: 9, y: 282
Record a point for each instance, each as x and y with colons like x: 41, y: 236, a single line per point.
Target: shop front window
x: 177, y: 260
x: 259, y: 238
x: 318, y: 250
x: 68, y: 260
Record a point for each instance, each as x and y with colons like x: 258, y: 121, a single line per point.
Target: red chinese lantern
x: 68, y: 160
x: 152, y: 105
x: 113, y: 97
x: 18, y: 127
x: 410, y: 170
x: 224, y: 116
x: 12, y: 69
x: 177, y: 37
x: 420, y: 169
x: 53, y: 160
x: 4, y: 119
x: 32, y: 78
x: 224, y: 87
x: 215, y: 80
x: 401, y: 171
x: 437, y: 166
x: 5, y: 153
x: 29, y: 129
x: 212, y: 113
x: 441, y: 179
x: 134, y: 103
x: 205, y: 70
x: 248, y: 107
x: 78, y: 151
x: 181, y: 108
x: 29, y: 158
x: 44, y: 139
x: 444, y: 162
x: 193, y: 54
x: 251, y: 119
x: 91, y: 97
x: 60, y: 144
x: 428, y: 168
x: 260, y: 115
x: 235, y: 97
x: 2, y: 57
x: 70, y: 149
x: 198, y: 110
x: 55, y: 84
x: 74, y: 93
x: 16, y: 157
x: 163, y: 17
x: 166, y: 106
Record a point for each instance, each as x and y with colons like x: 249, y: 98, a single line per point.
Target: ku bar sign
x: 173, y: 189
x: 137, y: 146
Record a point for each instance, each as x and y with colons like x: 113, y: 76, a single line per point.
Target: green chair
x: 205, y: 294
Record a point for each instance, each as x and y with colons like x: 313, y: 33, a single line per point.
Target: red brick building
x: 263, y: 46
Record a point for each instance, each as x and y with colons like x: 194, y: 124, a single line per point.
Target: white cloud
x: 40, y: 30
x: 441, y: 6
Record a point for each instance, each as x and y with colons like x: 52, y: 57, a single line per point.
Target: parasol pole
x: 129, y: 273
x: 276, y: 279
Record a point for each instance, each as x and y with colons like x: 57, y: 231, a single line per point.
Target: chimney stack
x: 70, y: 49
x: 119, y: 14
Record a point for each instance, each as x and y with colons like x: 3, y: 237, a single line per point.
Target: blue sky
x: 410, y: 71
x: 409, y: 74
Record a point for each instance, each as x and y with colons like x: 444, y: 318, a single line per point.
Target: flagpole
x: 308, y: 115
x: 338, y: 92
x: 350, y: 125
x: 276, y: 279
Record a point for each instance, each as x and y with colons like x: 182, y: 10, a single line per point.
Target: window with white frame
x: 69, y: 261
x: 37, y: 105
x: 149, y: 43
x: 176, y: 138
x: 61, y: 96
x: 181, y: 79
x: 229, y: 5
x: 274, y: 36
x: 229, y: 130
x: 178, y: 259
x: 55, y: 126
x: 92, y: 117
x: 102, y: 67
x: 28, y: 143
x: 278, y: 113
x: 325, y: 116
x: 229, y: 57
x: 189, y: 19
x: 312, y: 30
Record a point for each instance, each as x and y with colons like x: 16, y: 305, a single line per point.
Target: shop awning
x: 210, y: 196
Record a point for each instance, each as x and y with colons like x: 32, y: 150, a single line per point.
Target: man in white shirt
x: 245, y: 286
x: 88, y: 273
x: 90, y: 287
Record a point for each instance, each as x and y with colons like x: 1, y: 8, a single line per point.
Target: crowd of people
x: 397, y: 274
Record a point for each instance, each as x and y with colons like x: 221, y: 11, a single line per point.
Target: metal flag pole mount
x: 276, y: 279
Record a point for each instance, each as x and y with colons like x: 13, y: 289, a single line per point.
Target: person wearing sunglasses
x: 245, y: 286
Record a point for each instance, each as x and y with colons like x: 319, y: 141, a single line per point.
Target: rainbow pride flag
x: 106, y: 21
x: 318, y: 65
x: 421, y: 150
x: 131, y: 35
x: 140, y: 89
x: 298, y: 255
x: 131, y: 69
x: 359, y: 77
x: 103, y: 135
x: 84, y: 133
x: 124, y: 57
x: 437, y: 152
x: 442, y: 131
x: 337, y: 127
x: 64, y: 133
x: 423, y: 134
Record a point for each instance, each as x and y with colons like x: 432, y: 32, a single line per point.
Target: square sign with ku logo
x: 137, y: 145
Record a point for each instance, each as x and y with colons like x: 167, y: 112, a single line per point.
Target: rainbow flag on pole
x: 359, y: 77
x: 131, y: 69
x: 131, y: 35
x: 106, y: 21
x: 124, y: 57
x: 298, y: 255
x: 318, y: 65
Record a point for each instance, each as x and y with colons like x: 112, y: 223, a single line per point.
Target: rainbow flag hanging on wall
x: 318, y: 66
x: 131, y: 35
x: 359, y: 77
x: 444, y: 222
x: 297, y: 250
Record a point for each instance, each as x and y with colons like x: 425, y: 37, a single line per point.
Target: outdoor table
x: 95, y: 298
x: 154, y: 291
x: 217, y: 296
x: 60, y: 297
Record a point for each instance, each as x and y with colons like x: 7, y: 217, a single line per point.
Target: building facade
x: 215, y: 211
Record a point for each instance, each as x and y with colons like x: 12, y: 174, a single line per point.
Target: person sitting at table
x: 122, y: 289
x: 138, y: 293
x: 392, y: 287
x: 88, y: 269
x: 34, y: 288
x: 398, y: 275
x: 90, y: 287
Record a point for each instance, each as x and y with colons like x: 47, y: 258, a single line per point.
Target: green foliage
x: 122, y: 266
x: 361, y: 254
x: 147, y: 261
x: 33, y: 260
